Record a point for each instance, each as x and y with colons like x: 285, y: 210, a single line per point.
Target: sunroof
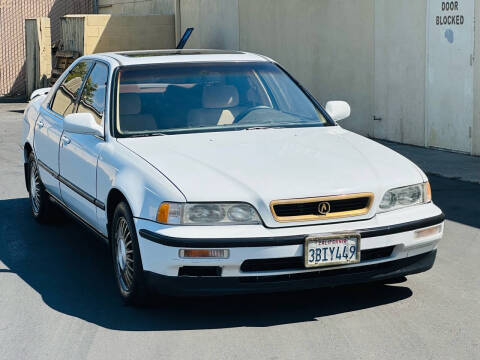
x: 179, y: 52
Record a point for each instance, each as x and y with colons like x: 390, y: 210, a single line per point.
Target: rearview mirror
x: 82, y: 123
x: 338, y: 110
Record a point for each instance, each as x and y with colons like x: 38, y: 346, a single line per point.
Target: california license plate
x: 335, y: 249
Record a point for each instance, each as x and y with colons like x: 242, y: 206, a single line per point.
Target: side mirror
x: 338, y: 110
x: 38, y: 92
x: 82, y: 123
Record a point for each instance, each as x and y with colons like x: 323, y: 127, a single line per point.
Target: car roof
x: 181, y: 56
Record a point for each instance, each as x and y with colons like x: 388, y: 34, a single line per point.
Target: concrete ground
x: 438, y: 162
x: 58, y: 299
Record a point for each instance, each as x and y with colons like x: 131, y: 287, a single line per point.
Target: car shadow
x: 459, y: 200
x: 71, y: 269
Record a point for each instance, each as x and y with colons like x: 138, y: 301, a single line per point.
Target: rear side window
x: 93, y: 93
x: 67, y: 93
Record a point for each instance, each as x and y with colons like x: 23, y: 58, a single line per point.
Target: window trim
x: 106, y: 89
x: 81, y: 87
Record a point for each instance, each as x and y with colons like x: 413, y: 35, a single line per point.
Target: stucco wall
x: 215, y: 23
x: 371, y: 53
x: 136, y: 7
x: 476, y: 87
x: 327, y: 45
x: 400, y: 63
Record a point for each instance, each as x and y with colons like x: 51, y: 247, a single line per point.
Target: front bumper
x: 198, y: 286
x: 256, y: 245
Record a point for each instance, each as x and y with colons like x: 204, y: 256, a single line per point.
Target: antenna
x: 185, y: 38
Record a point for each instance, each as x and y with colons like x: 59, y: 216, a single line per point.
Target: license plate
x: 325, y: 250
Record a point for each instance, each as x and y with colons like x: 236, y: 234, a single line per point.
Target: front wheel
x: 127, y: 262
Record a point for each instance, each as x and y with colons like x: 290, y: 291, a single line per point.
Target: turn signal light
x: 162, y: 213
x: 428, y: 192
x: 204, y: 253
x: 428, y: 231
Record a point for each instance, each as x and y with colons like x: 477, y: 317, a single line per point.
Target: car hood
x: 258, y: 166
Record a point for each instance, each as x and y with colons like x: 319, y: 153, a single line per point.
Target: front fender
x: 144, y: 187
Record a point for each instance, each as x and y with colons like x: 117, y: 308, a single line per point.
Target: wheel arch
x: 27, y: 150
x: 115, y: 197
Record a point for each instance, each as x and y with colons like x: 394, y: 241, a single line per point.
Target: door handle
x: 40, y: 123
x: 65, y: 140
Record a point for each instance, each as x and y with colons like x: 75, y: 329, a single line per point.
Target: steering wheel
x: 244, y: 113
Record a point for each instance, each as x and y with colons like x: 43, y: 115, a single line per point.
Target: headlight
x: 207, y: 214
x: 406, y: 196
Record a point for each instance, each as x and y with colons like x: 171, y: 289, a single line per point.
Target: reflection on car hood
x: 258, y: 166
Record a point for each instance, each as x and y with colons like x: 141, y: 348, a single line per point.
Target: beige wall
x: 371, y: 53
x: 104, y: 33
x: 327, y: 45
x: 215, y: 23
x: 400, y: 63
x: 38, y: 59
x: 136, y: 7
x: 476, y: 87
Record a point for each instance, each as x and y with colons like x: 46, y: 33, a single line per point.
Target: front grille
x: 297, y: 262
x: 322, y: 207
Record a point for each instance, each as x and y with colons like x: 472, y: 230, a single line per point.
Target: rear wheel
x: 42, y: 207
x: 127, y: 263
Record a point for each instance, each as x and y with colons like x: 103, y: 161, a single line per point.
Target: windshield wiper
x: 264, y: 127
x: 148, y: 134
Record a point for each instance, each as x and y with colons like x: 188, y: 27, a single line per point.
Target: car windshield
x: 176, y: 98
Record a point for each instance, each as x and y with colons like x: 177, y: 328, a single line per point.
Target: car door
x: 49, y: 125
x: 79, y: 152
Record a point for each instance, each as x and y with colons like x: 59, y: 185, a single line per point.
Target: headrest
x: 130, y: 104
x: 219, y: 96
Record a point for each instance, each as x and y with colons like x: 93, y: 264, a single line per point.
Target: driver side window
x: 93, y: 94
x: 67, y: 93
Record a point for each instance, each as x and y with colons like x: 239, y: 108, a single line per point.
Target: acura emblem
x: 324, y: 208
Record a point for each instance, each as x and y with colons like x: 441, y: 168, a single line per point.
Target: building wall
x: 103, y: 33
x: 327, y: 45
x: 132, y: 33
x: 476, y: 87
x: 216, y: 23
x: 38, y: 62
x: 400, y: 64
x: 12, y: 39
x: 334, y: 60
x: 136, y: 7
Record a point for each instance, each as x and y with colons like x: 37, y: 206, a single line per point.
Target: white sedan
x: 216, y: 172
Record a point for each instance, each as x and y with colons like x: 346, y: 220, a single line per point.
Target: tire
x: 42, y: 208
x: 127, y: 262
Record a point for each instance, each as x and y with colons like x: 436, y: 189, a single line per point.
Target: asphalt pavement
x: 58, y: 299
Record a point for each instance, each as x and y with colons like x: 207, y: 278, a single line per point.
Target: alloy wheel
x: 124, y: 255
x: 35, y: 190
